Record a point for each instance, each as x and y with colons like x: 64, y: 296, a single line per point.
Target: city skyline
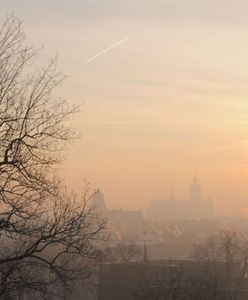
x: 169, y: 102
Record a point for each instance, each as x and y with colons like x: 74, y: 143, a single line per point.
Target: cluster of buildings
x: 169, y: 227
x: 194, y: 208
x: 123, y: 223
x: 168, y: 230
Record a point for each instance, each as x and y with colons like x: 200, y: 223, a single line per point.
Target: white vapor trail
x: 106, y: 50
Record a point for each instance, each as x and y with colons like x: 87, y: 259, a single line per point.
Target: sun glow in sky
x: 169, y: 102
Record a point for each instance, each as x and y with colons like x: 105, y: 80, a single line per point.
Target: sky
x: 168, y: 103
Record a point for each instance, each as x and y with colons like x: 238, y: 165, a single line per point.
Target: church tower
x: 195, y: 190
x: 98, y: 202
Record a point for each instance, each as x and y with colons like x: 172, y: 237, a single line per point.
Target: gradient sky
x: 170, y: 102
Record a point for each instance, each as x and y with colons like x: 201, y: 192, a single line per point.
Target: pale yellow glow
x: 170, y: 102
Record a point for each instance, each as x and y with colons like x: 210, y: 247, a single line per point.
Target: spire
x: 98, y: 201
x: 195, y: 190
x: 145, y: 247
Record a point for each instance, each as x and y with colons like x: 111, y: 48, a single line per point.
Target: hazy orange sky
x: 169, y: 102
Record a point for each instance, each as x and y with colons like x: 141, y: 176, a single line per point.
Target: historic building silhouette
x: 193, y: 208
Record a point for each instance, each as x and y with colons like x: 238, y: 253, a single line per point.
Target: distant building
x: 194, y: 208
x: 125, y: 224
x: 98, y: 203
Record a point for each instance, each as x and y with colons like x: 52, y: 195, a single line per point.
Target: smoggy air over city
x: 124, y: 149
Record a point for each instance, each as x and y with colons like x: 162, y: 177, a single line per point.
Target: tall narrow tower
x: 145, y: 254
x: 98, y: 202
x: 195, y: 190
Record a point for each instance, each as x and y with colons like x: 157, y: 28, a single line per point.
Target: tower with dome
x: 196, y: 207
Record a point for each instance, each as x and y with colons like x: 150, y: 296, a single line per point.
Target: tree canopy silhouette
x: 47, y: 235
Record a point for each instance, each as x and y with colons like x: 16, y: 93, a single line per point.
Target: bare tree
x: 203, y: 283
x: 175, y: 277
x: 150, y: 287
x: 47, y: 235
x: 162, y: 283
x: 226, y: 258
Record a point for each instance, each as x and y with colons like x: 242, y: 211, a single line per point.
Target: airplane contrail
x: 106, y: 50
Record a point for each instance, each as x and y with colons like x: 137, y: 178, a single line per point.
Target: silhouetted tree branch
x: 47, y: 235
